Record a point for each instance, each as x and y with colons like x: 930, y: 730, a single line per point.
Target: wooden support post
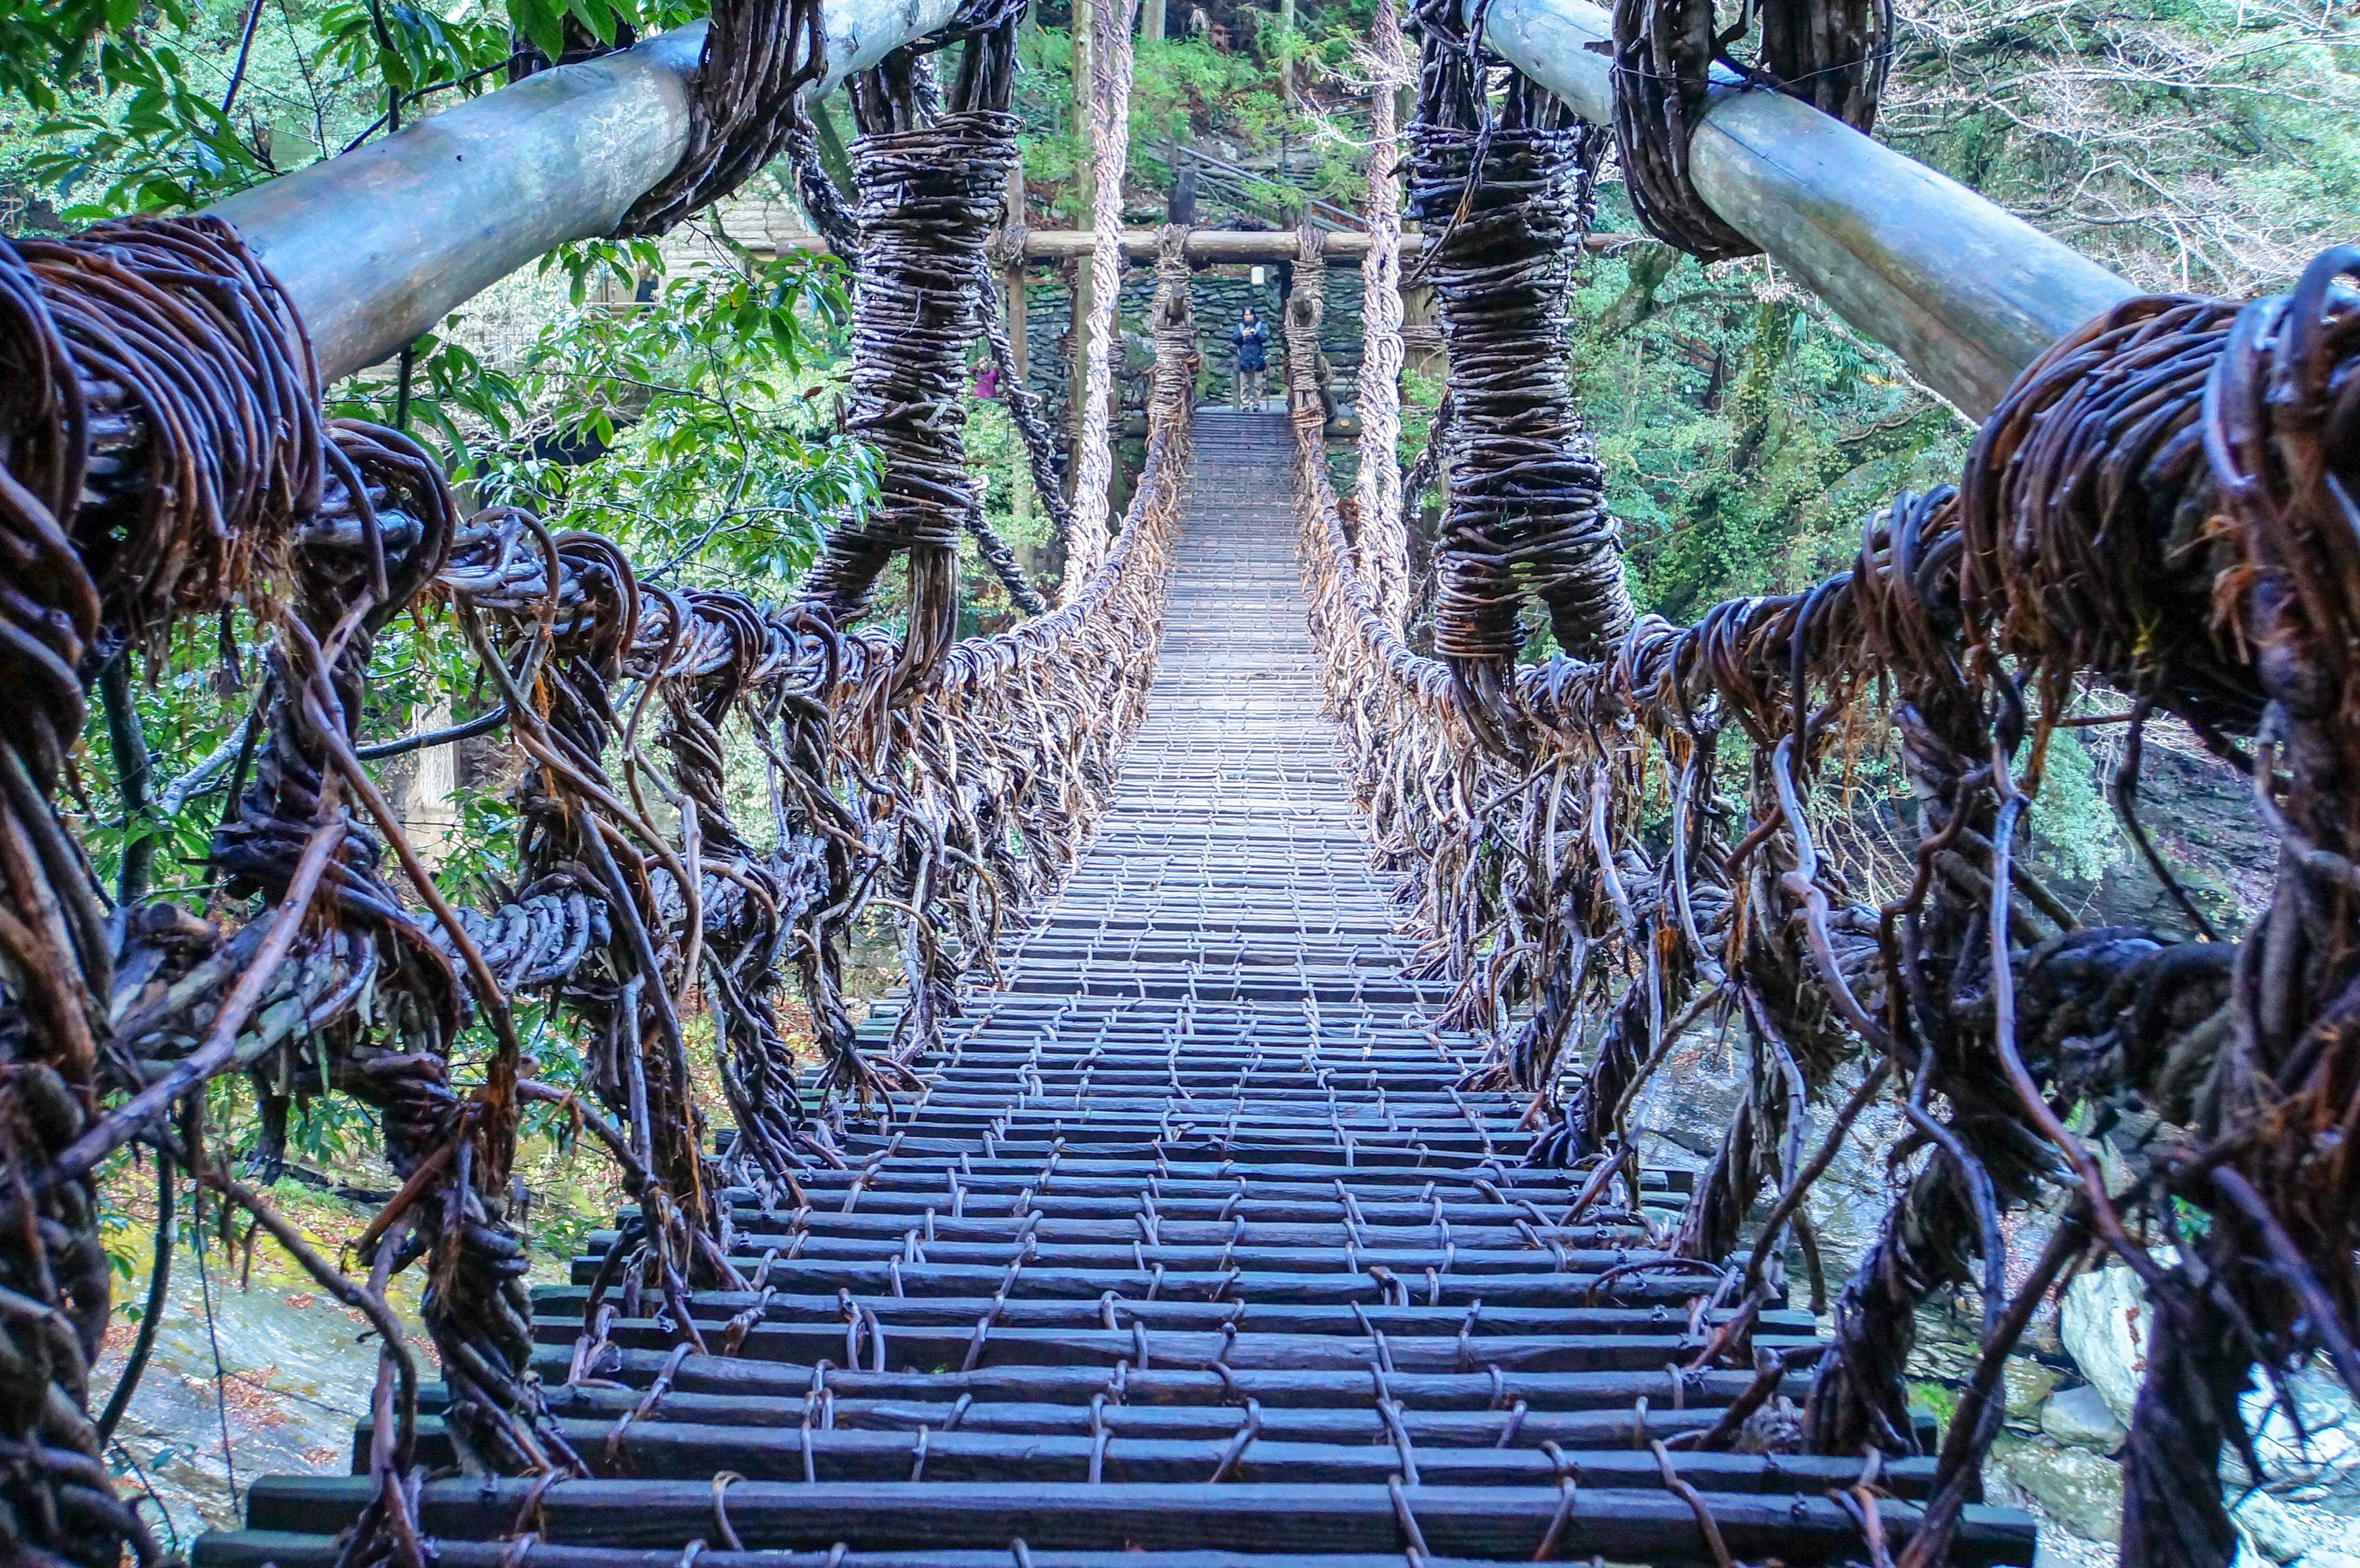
x: 1151, y: 21
x: 1013, y: 276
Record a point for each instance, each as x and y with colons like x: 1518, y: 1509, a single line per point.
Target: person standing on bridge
x: 1251, y: 339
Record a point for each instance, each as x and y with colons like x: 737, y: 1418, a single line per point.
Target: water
x: 296, y: 1366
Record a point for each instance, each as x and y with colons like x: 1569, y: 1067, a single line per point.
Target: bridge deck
x: 1189, y: 1248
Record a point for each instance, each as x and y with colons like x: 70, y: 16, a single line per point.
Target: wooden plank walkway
x: 1189, y: 1252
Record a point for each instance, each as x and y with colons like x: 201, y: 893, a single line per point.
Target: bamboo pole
x: 1965, y: 292
x: 379, y: 245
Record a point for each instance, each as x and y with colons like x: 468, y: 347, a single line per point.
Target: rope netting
x: 162, y: 462
x: 2161, y: 507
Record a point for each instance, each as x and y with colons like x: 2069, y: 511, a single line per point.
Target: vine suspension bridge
x: 1187, y: 1241
x: 1244, y: 1170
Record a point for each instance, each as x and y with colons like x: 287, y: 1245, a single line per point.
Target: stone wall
x: 1221, y: 294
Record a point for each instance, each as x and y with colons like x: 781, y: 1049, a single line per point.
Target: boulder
x: 2080, y: 1490
x: 2312, y: 1454
x: 2107, y: 1327
x: 2081, y: 1418
x: 2269, y: 1527
x: 2028, y: 1385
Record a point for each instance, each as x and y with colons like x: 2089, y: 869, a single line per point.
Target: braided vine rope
x: 1383, y: 538
x: 1101, y: 339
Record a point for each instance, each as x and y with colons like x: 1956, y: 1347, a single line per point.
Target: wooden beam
x: 1623, y: 1524
x: 1210, y: 245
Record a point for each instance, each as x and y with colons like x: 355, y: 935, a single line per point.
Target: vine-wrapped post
x: 1383, y: 540
x: 930, y: 202
x: 1306, y: 308
x: 1099, y: 339
x: 1174, y: 325
x: 1527, y: 508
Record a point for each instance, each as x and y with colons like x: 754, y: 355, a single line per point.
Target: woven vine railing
x: 2161, y: 508
x: 164, y: 461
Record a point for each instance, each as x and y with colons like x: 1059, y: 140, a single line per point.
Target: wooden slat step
x: 930, y: 1347
x: 565, y: 1303
x: 1619, y: 1523
x: 1500, y: 1232
x: 1459, y: 1289
x: 676, y: 1450
x: 1476, y: 1390
x: 258, y: 1548
x: 913, y: 1172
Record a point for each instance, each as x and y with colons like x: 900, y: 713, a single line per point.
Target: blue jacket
x: 1250, y: 339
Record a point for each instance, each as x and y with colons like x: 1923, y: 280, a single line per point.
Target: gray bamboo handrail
x: 377, y: 247
x: 379, y: 244
x: 1968, y: 294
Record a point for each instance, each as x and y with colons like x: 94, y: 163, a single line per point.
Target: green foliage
x: 158, y: 145
x: 2208, y: 145
x: 705, y: 417
x: 1183, y: 88
x: 1746, y: 432
x: 411, y: 48
x: 2073, y: 827
x: 166, y: 107
x: 45, y: 47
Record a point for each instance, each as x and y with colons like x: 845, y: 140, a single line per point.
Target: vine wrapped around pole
x: 1110, y: 109
x: 1382, y: 542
